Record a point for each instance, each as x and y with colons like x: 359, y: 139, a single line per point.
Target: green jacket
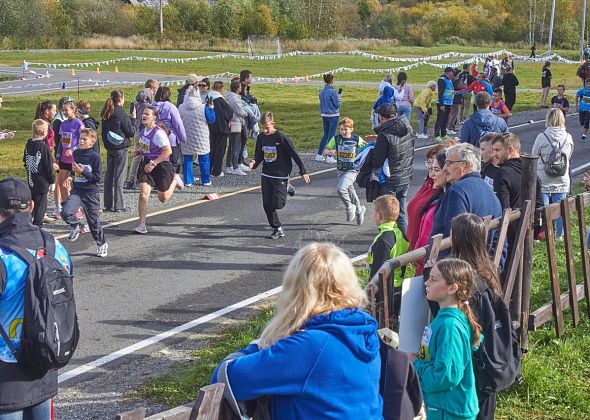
x: 444, y: 365
x: 399, y: 247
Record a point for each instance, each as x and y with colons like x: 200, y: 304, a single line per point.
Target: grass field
x: 296, y: 110
x: 528, y: 73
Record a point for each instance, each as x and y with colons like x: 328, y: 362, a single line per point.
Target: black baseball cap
x: 14, y: 194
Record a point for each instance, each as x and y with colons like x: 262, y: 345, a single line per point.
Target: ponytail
x: 475, y: 327
x: 109, y: 105
x: 459, y: 272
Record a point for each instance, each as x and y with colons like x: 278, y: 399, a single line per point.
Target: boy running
x: 275, y: 151
x: 83, y: 180
x: 346, y: 147
x: 583, y: 107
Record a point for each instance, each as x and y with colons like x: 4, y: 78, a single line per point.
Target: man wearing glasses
x: 467, y: 192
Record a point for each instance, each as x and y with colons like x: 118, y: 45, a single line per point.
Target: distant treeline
x: 66, y: 23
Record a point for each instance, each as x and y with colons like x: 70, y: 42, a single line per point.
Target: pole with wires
x: 583, y: 30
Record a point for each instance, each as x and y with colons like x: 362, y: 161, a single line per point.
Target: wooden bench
x: 208, y: 406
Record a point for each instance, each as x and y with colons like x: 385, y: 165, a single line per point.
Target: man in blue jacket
x: 22, y: 394
x: 467, y: 193
x: 482, y: 121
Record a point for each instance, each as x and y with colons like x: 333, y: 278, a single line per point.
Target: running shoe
x: 350, y: 212
x: 319, y: 158
x: 290, y: 190
x: 360, y: 215
x: 129, y: 185
x: 74, y: 233
x: 583, y: 138
x: 277, y: 233
x: 179, y: 182
x: 422, y: 136
x: 102, y: 250
x: 57, y: 213
x: 140, y: 229
x: 330, y: 159
x: 243, y: 167
x: 206, y: 184
x: 451, y: 132
x: 239, y: 172
x: 221, y: 175
x: 85, y: 229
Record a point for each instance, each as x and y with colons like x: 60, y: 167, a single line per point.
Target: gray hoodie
x: 544, y: 144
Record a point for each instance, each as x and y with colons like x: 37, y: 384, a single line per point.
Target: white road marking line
x: 580, y: 168
x: 80, y: 370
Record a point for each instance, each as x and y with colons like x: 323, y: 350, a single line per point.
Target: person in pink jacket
x: 440, y: 184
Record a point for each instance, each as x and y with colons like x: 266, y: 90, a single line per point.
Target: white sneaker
x: 351, y: 213
x: 229, y: 170
x: 330, y: 159
x: 243, y: 168
x: 451, y: 132
x: 422, y: 136
x: 179, y: 182
x: 360, y: 215
x: 140, y: 229
x: 239, y: 172
x: 221, y: 175
x: 319, y: 158
x: 102, y: 250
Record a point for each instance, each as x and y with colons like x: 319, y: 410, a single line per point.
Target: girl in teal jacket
x: 444, y: 361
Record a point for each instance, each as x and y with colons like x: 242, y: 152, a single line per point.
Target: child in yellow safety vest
x: 389, y: 243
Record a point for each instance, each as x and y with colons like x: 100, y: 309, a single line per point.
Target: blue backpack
x: 50, y: 325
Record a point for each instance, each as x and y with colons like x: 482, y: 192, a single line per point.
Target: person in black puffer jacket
x: 117, y: 129
x: 395, y: 143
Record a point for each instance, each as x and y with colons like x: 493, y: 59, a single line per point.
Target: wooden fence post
x: 569, y: 258
x: 528, y: 191
x: 580, y: 205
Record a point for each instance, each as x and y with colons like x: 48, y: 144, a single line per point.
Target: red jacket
x: 415, y: 206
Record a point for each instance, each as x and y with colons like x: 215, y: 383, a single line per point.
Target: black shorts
x: 65, y: 166
x: 584, y: 117
x: 160, y: 177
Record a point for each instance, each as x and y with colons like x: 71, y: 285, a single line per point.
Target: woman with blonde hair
x: 319, y: 355
x: 555, y: 140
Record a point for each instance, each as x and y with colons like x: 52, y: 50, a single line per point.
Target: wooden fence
x: 517, y: 270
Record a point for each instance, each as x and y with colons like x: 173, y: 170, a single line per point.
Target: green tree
x: 227, y: 18
x: 261, y: 22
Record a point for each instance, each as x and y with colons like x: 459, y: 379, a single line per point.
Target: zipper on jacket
x: 57, y: 340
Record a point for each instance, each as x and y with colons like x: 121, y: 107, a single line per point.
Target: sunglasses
x: 202, y: 85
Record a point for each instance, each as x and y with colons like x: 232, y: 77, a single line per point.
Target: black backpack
x: 496, y: 363
x: 556, y: 162
x: 50, y: 325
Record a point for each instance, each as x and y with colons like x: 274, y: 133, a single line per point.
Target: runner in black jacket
x: 275, y: 151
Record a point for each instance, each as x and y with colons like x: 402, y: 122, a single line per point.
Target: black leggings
x: 274, y: 197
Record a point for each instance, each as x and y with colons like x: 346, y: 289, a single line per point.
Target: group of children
x: 78, y: 177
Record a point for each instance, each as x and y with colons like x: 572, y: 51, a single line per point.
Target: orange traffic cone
x: 280, y: 81
x: 72, y: 72
x: 116, y: 69
x: 98, y: 70
x: 306, y: 78
x: 296, y: 79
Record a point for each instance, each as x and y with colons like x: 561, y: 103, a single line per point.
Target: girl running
x: 275, y: 151
x: 69, y: 132
x: 444, y: 364
x: 155, y: 169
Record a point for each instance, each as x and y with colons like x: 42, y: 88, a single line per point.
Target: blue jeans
x: 41, y: 411
x: 401, y: 193
x: 550, y: 198
x: 330, y: 125
x: 405, y: 110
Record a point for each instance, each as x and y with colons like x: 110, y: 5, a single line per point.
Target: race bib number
x: 144, y: 144
x: 270, y: 153
x: 586, y: 99
x: 424, y: 353
x: 347, y: 152
x: 66, y: 139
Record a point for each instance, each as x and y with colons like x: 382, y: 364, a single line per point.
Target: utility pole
x: 162, y: 17
x: 583, y: 29
x: 551, y: 26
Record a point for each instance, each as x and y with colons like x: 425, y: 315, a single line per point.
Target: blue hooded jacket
x: 329, y: 370
x: 385, y: 98
x: 329, y: 100
x: 481, y: 122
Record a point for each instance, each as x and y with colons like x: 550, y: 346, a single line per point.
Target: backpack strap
x: 8, y: 342
x: 48, y: 242
x: 21, y: 252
